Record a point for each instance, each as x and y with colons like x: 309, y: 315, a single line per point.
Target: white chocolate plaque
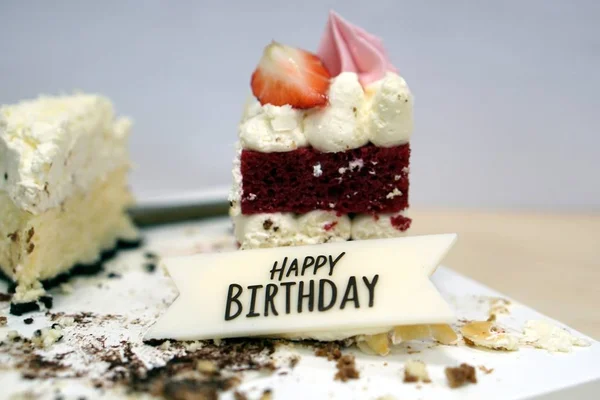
x: 356, y: 286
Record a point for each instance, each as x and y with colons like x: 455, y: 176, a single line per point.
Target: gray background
x: 507, y: 92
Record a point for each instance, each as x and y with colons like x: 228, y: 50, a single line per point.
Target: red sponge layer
x: 369, y: 179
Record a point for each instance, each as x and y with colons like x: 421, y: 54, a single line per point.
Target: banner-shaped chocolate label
x: 357, y: 286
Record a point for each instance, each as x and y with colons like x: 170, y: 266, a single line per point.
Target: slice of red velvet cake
x: 323, y: 151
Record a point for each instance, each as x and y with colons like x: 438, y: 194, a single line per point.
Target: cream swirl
x: 349, y: 48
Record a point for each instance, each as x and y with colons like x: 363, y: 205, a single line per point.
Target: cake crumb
x: 498, y: 305
x: 267, y: 395
x: 193, y: 346
x: 12, y: 335
x: 393, y: 193
x: 416, y: 371
x: 3, y: 320
x: 545, y: 335
x: 346, y: 368
x: 294, y: 360
x: 356, y: 164
x: 166, y: 345
x: 485, y: 370
x: 207, y: 367
x: 329, y: 350
x: 46, y: 337
x: 66, y: 288
x: 487, y: 334
x: 461, y: 375
x: 317, y: 171
x: 66, y: 321
x: 239, y: 396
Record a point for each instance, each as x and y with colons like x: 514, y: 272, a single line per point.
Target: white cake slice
x: 63, y: 189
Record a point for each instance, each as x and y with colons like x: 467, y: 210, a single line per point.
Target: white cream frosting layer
x: 381, y: 114
x: 287, y: 229
x: 53, y: 147
x: 315, y: 227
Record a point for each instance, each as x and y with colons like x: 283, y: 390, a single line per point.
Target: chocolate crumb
x: 28, y: 321
x: 5, y: 176
x: 150, y: 267
x: 5, y: 296
x: 30, y: 248
x: 173, y: 380
x: 459, y: 376
x: 294, y: 360
x: 46, y: 301
x: 113, y: 275
x: 30, y: 234
x: 346, y: 367
x: 267, y: 224
x: 3, y: 321
x: 14, y: 237
x: 150, y: 255
x: 24, y: 308
x: 239, y: 396
x: 331, y: 350
x: 154, y: 342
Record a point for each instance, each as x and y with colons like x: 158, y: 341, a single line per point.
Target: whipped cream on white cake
x: 381, y: 114
x: 53, y: 147
x: 365, y: 226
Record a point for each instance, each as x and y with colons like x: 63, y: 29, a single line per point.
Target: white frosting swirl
x: 286, y: 229
x: 388, y: 111
x: 271, y: 128
x: 335, y: 127
x: 354, y: 117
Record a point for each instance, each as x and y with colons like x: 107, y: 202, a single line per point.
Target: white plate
x: 526, y: 373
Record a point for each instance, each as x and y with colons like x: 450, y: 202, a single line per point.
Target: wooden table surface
x: 550, y: 262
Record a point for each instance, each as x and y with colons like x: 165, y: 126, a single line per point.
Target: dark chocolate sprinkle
x: 28, y: 321
x: 150, y: 267
x: 150, y: 255
x: 23, y: 308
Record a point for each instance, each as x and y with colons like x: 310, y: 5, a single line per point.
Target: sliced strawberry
x: 286, y: 75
